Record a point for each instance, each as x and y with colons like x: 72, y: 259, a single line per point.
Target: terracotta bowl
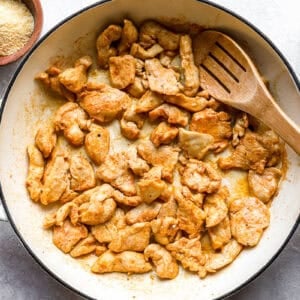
x: 37, y: 12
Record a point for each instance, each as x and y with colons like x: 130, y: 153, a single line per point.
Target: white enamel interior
x: 25, y: 106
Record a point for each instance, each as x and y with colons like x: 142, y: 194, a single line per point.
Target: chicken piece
x: 165, y: 265
x: 139, y: 52
x: 168, y: 209
x: 200, y: 176
x: 82, y: 173
x: 136, y: 164
x: 264, y: 186
x: 239, y: 128
x: 163, y: 134
x: 121, y: 71
x: 132, y: 238
x: 166, y: 60
x: 255, y: 152
x: 131, y: 122
x: 190, y: 216
x: 171, y: 113
x: 214, y: 123
x: 74, y: 79
x: 105, y: 103
x: 192, y: 104
x: 143, y: 213
x: 220, y: 234
x: 49, y: 220
x: 35, y: 172
x: 137, y: 88
x: 194, y: 144
x: 161, y: 79
x: 127, y: 200
x: 215, y: 207
x: 126, y: 262
x: 168, y: 193
x: 63, y: 212
x: 55, y: 177
x: 190, y: 71
x: 106, y: 232
x: 45, y: 139
x: 65, y: 237
x: 128, y: 37
x: 189, y: 253
x: 72, y: 120
x: 68, y: 195
x: 248, y: 218
x: 100, y: 249
x: 149, y: 101
x: 97, y: 143
x: 151, y: 186
x: 227, y: 255
x: 195, y: 198
x: 152, y: 32
x: 103, y: 44
x: 114, y: 170
x: 85, y: 246
x: 164, y: 229
x: 164, y: 156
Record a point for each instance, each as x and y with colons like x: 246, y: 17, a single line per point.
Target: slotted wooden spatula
x: 230, y: 76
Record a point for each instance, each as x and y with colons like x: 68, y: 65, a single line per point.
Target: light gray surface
x: 22, y: 278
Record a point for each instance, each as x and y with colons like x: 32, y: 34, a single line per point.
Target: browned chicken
x: 45, y: 138
x: 149, y: 101
x: 136, y: 164
x: 143, y: 213
x: 138, y: 88
x: 248, y: 218
x: 168, y: 209
x: 165, y: 265
x: 139, y: 52
x: 264, y: 186
x: 171, y: 113
x: 85, y: 246
x: 125, y: 262
x: 196, y: 198
x: 65, y: 237
x: 105, y: 103
x: 72, y: 120
x: 128, y: 37
x: 164, y: 156
x: 127, y: 200
x: 220, y: 234
x: 97, y: 143
x: 132, y: 238
x: 164, y: 229
x: 35, y: 172
x: 239, y: 128
x: 214, y: 123
x: 163, y: 134
x: 255, y: 151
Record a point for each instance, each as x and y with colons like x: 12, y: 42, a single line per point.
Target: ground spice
x: 16, y: 26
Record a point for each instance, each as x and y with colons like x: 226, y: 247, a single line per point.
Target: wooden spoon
x: 230, y: 76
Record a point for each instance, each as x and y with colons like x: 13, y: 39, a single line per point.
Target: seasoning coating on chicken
x: 264, y: 186
x: 143, y: 213
x: 215, y: 207
x: 190, y: 71
x: 97, y: 143
x: 152, y: 32
x: 255, y: 151
x: 196, y: 198
x: 149, y: 101
x: 72, y: 120
x: 214, y: 123
x: 55, y: 177
x: 139, y: 52
x: 103, y: 44
x: 163, y: 134
x: 125, y: 262
x: 248, y: 218
x: 200, y: 176
x: 132, y: 238
x: 164, y: 229
x: 227, y: 255
x: 45, y: 139
x: 164, y: 156
x: 165, y: 265
x: 74, y: 79
x: 239, y: 128
x: 136, y: 164
x: 61, y: 214
x: 220, y: 234
x: 168, y: 209
x: 35, y: 172
x: 65, y: 237
x: 137, y: 89
x: 82, y: 173
x: 161, y: 79
x: 85, y: 246
x: 128, y: 37
x: 194, y: 144
x: 127, y: 200
x: 105, y: 103
x: 106, y: 232
x: 121, y: 71
x: 171, y: 113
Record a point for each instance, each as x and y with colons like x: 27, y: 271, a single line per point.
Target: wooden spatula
x: 230, y: 76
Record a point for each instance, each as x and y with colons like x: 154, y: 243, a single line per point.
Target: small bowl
x: 37, y: 12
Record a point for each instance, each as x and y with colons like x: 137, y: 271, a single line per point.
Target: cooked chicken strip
x: 239, y: 128
x: 149, y: 101
x: 163, y: 134
x: 139, y: 52
x: 137, y: 89
x: 127, y: 200
x: 85, y: 246
x: 126, y: 262
x: 164, y: 229
x: 165, y: 265
x: 136, y: 164
x: 128, y: 37
x: 143, y: 213
x: 196, y: 198
x: 220, y: 234
x: 45, y: 138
